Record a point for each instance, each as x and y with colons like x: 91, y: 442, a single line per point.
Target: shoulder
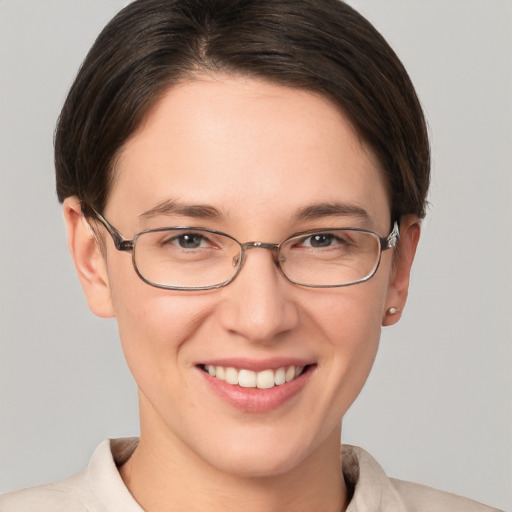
x: 97, y: 488
x: 374, y: 491
x: 420, y: 498
x: 69, y: 495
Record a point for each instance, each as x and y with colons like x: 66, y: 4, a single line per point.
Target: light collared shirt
x: 100, y: 488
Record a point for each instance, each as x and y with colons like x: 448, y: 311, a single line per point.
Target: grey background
x: 438, y: 406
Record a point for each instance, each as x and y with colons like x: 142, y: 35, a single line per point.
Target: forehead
x: 246, y: 147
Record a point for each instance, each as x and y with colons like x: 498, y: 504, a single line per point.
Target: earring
x: 393, y: 311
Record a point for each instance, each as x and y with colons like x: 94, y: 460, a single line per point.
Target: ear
x: 89, y: 261
x: 399, y: 282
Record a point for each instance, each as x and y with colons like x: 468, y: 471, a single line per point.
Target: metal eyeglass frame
x: 123, y: 244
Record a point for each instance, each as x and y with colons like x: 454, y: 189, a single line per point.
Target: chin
x: 261, y: 452
x: 258, y: 464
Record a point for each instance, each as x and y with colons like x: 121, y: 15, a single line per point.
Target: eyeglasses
x: 189, y: 258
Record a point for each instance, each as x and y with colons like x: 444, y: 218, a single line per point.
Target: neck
x: 164, y: 474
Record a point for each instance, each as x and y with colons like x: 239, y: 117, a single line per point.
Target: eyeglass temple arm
x: 120, y: 242
x: 392, y: 239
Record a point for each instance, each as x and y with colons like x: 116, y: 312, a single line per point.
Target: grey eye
x: 321, y: 240
x: 184, y: 241
x: 189, y: 240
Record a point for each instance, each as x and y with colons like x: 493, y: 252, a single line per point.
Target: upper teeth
x: 248, y: 379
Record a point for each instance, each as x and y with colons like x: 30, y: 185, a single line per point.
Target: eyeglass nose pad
x: 278, y: 258
x: 239, y: 259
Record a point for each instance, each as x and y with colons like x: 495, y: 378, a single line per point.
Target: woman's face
x: 248, y: 158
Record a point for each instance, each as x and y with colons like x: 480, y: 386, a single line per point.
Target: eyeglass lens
x: 195, y: 258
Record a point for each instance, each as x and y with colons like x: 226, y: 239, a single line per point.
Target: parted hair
x: 324, y: 46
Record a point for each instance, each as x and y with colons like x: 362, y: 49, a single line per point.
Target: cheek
x: 350, y: 316
x: 350, y: 322
x: 153, y: 324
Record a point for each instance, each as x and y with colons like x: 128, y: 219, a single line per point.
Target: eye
x: 190, y: 240
x: 186, y: 241
x: 321, y: 240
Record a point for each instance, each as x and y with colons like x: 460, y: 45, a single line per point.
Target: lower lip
x: 257, y: 400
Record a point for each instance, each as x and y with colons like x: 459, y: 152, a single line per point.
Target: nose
x: 259, y: 304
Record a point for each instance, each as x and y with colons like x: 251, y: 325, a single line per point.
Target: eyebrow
x: 311, y: 212
x: 322, y: 210
x: 172, y: 207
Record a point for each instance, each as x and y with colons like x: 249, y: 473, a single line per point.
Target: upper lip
x: 256, y: 365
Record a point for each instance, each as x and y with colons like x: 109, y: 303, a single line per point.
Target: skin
x: 258, y: 153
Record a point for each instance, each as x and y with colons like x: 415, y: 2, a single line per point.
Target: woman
x: 243, y: 184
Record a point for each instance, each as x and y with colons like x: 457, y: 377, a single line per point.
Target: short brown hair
x: 320, y: 45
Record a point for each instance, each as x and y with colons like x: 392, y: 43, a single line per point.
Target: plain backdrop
x: 437, y: 408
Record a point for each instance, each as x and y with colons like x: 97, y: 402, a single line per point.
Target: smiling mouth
x: 265, y: 379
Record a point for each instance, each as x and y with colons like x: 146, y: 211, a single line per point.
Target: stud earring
x: 393, y: 311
